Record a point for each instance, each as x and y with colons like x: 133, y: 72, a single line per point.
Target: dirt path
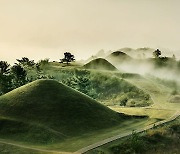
x: 98, y: 144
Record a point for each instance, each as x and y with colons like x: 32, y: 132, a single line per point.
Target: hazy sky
x: 46, y: 28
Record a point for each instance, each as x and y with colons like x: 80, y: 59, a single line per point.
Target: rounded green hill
x: 58, y: 107
x: 100, y: 64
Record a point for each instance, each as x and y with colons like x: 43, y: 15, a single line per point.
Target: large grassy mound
x: 101, y: 64
x: 52, y: 105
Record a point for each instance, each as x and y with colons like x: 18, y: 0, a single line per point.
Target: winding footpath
x: 98, y: 144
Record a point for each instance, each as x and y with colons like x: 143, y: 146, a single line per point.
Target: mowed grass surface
x: 49, y: 115
x: 75, y: 143
x: 57, y: 106
x: 10, y: 149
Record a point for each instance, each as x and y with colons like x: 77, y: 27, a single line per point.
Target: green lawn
x: 81, y: 141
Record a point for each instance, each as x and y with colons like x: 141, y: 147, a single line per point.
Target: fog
x: 141, y: 61
x: 44, y: 28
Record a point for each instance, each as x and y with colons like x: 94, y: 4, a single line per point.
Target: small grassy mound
x: 58, y: 107
x: 118, y: 56
x: 100, y: 64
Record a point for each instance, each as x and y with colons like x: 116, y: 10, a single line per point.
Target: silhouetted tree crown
x: 19, y: 72
x: 174, y: 57
x: 26, y: 62
x: 4, y: 67
x: 157, y: 53
x: 68, y: 57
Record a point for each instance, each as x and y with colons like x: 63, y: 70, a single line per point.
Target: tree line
x: 12, y: 77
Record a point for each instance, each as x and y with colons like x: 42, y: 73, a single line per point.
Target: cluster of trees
x: 163, y: 61
x: 157, y: 53
x: 11, y: 77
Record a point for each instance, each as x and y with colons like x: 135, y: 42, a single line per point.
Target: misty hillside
x: 139, y: 53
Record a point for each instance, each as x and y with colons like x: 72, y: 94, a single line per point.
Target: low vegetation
x: 105, y: 88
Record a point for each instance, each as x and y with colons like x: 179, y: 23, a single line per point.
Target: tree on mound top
x: 157, y: 53
x: 68, y: 57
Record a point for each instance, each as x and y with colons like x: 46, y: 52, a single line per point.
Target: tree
x: 26, y: 62
x: 68, y: 57
x: 4, y: 67
x: 19, y: 74
x: 174, y: 57
x: 157, y: 53
x: 43, y: 62
x: 6, y: 84
x: 5, y: 78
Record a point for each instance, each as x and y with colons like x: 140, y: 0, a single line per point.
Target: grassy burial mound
x: 118, y: 57
x: 101, y: 64
x: 50, y: 110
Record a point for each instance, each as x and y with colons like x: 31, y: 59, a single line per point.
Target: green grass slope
x: 22, y: 131
x: 11, y: 149
x: 52, y: 105
x: 101, y: 64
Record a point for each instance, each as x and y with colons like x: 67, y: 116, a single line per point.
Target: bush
x: 134, y: 144
x: 44, y: 62
x: 123, y: 100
